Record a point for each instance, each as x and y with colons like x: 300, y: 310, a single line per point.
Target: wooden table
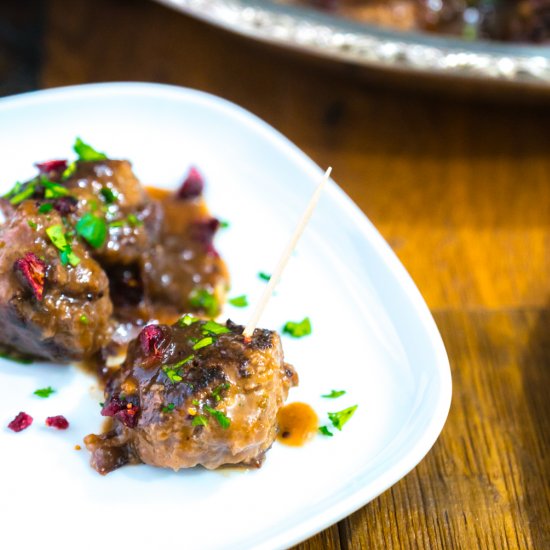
x: 460, y: 189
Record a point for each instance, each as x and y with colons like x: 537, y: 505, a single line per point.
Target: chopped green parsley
x: 45, y: 208
x: 168, y: 408
x: 211, y: 327
x: 298, y: 329
x: 26, y: 193
x: 53, y: 190
x: 59, y: 239
x: 223, y: 421
x: 224, y: 224
x: 216, y: 393
x: 186, y: 320
x: 32, y: 224
x: 172, y: 373
x: 199, y: 420
x: 92, y: 229
x: 87, y: 152
x: 200, y: 298
x: 203, y: 342
x: 16, y: 358
x: 264, y: 276
x: 338, y: 419
x: 69, y: 171
x: 239, y: 301
x: 44, y: 392
x: 180, y: 364
x: 108, y: 195
x: 325, y: 431
x: 13, y: 191
x: 334, y: 394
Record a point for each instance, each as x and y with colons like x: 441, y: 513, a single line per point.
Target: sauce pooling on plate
x: 298, y: 423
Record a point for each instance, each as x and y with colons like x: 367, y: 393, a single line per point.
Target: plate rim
x: 325, y: 36
x: 415, y: 453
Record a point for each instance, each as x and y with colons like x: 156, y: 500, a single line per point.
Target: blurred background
x: 454, y: 172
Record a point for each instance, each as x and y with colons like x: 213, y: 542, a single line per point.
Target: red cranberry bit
x: 203, y: 232
x: 192, y: 186
x: 33, y: 270
x: 123, y: 410
x: 150, y: 339
x: 59, y: 422
x: 51, y: 166
x: 113, y: 406
x: 65, y: 205
x: 21, y: 422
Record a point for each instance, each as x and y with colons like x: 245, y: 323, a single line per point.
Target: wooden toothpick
x: 276, y: 275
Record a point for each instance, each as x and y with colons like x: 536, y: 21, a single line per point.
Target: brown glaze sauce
x: 298, y: 423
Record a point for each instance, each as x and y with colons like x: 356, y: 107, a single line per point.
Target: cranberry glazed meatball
x: 54, y: 297
x: 195, y: 393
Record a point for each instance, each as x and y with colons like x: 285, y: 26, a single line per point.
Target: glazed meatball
x: 195, y: 393
x: 52, y: 305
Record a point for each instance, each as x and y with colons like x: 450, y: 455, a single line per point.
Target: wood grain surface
x: 461, y: 191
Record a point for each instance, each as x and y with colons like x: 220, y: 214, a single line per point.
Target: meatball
x: 52, y: 305
x: 194, y: 393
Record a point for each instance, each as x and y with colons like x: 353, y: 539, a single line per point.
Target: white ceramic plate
x: 373, y: 336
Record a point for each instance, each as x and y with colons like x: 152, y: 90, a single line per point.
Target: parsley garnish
x: 203, y: 342
x: 108, y: 195
x: 223, y: 421
x: 199, y: 420
x: 87, y: 152
x: 186, y: 321
x: 264, y: 276
x: 173, y: 374
x: 92, y: 229
x: 27, y: 193
x: 334, y: 394
x: 58, y: 238
x: 168, y: 408
x: 211, y: 327
x: 53, y: 190
x: 45, y: 208
x: 338, y: 419
x: 16, y: 358
x: 325, y: 431
x: 13, y: 191
x: 224, y: 224
x: 69, y: 171
x: 239, y: 301
x: 201, y: 298
x: 32, y: 224
x: 299, y: 329
x: 219, y: 389
x: 44, y: 392
x: 133, y: 220
x: 183, y: 362
x: 173, y: 371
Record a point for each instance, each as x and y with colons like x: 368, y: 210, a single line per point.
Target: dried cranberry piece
x: 51, y: 166
x: 122, y: 409
x: 33, y: 270
x: 65, y: 205
x: 21, y: 422
x: 59, y: 422
x: 150, y: 339
x: 192, y: 186
x: 203, y: 232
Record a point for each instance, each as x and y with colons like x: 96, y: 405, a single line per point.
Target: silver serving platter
x: 324, y: 35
